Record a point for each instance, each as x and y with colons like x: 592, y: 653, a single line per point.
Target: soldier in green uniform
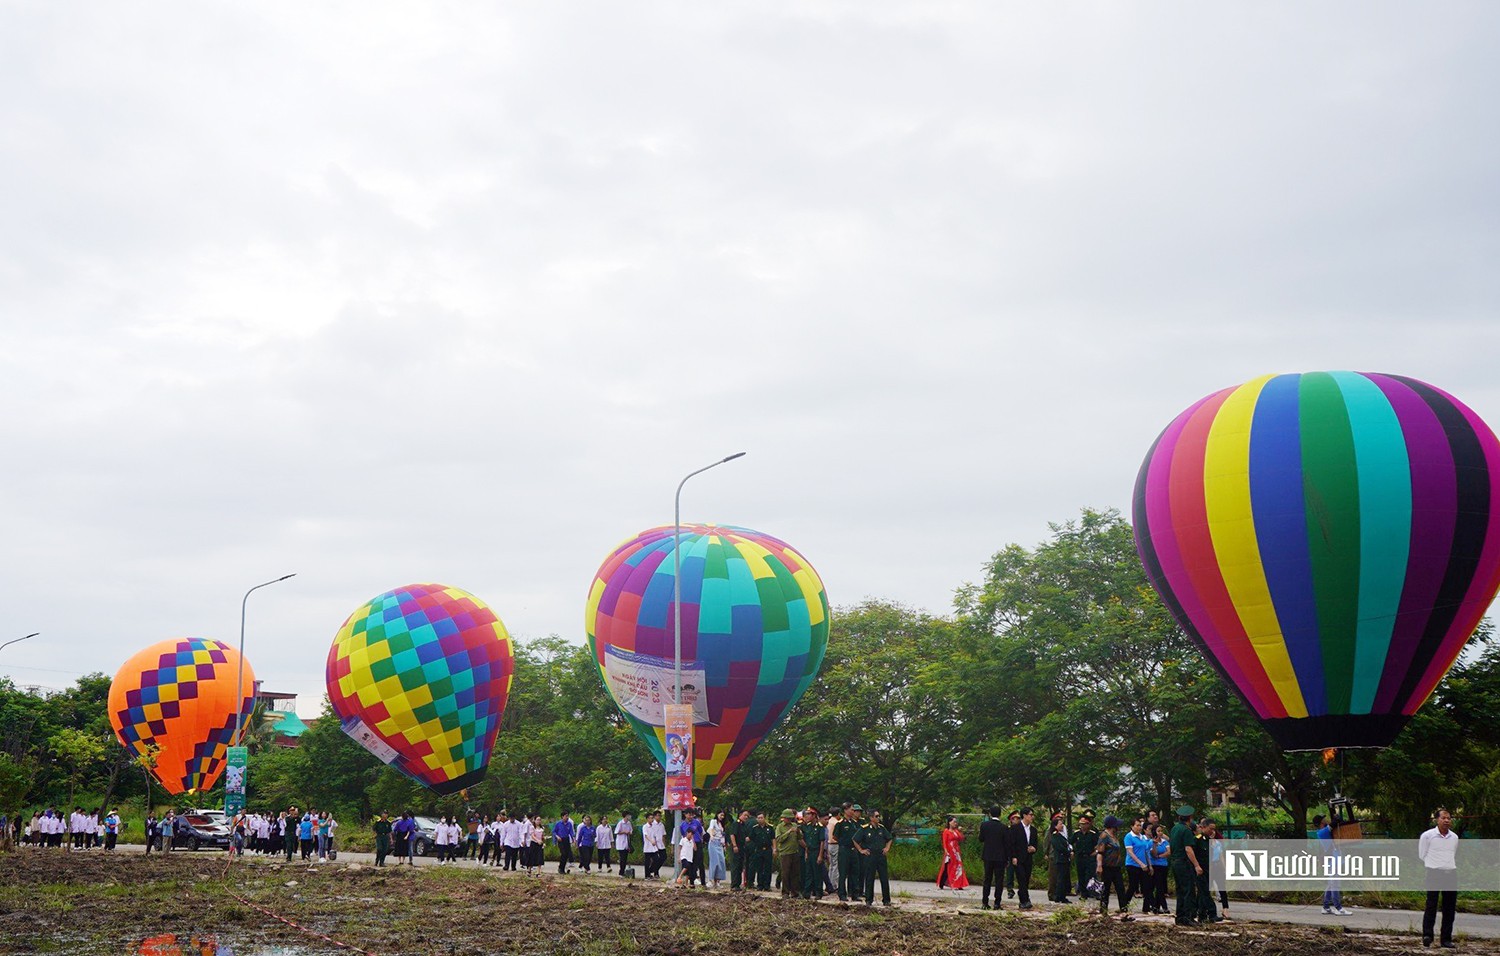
x: 382, y: 828
x: 871, y: 845
x: 1207, y: 911
x: 1184, y: 865
x: 1085, y: 840
x: 739, y: 842
x: 851, y: 873
x: 816, y: 838
x: 762, y: 836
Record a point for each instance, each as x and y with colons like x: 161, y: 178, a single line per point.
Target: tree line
x: 1058, y: 680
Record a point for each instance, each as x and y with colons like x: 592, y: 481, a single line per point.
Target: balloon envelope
x: 1330, y: 539
x: 419, y: 676
x: 754, y: 632
x: 179, y: 696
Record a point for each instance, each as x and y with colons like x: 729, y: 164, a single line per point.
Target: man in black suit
x: 1024, y: 843
x: 994, y: 841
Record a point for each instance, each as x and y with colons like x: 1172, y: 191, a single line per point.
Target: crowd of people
x: 80, y: 830
x: 807, y: 853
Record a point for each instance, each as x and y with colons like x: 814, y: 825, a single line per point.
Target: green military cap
x: 858, y: 807
x: 1185, y: 811
x: 789, y: 814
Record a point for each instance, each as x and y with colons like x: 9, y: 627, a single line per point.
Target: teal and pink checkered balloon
x: 754, y: 632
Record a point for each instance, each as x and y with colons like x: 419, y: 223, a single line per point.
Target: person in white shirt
x: 623, y: 830
x: 604, y: 841
x: 1438, y: 849
x: 445, y: 839
x: 653, y: 844
x: 513, y: 842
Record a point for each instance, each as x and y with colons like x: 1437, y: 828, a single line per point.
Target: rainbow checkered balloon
x: 419, y: 676
x: 754, y: 632
x: 177, y: 698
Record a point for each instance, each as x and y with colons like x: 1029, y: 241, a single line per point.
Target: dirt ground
x: 97, y: 903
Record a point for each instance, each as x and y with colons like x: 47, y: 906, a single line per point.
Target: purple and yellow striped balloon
x: 1330, y: 539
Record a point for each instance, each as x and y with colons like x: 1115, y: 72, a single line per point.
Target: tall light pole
x: 239, y: 684
x: 18, y: 640
x: 677, y: 618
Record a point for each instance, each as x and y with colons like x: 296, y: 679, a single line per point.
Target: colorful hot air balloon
x: 179, y: 697
x: 419, y: 676
x: 1331, y: 540
x: 754, y: 631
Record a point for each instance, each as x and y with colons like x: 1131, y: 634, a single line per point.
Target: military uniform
x: 813, y: 835
x: 740, y: 870
x: 1084, y: 842
x: 874, y: 838
x: 1183, y: 878
x: 851, y: 873
x: 762, y: 835
x: 1207, y: 911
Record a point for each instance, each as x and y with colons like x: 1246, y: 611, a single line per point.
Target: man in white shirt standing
x: 1438, y: 849
x: 653, y: 844
x: 623, y: 829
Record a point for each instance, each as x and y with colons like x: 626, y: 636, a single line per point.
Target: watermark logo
x: 1354, y: 864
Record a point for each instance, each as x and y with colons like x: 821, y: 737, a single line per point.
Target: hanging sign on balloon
x: 642, y: 685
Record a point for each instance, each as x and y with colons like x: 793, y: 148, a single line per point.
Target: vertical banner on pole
x: 678, y: 723
x: 235, y: 767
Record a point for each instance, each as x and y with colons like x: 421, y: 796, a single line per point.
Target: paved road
x: 905, y: 891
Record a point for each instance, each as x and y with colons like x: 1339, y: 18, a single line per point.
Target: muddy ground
x: 97, y: 903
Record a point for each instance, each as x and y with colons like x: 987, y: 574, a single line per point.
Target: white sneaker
x: 1340, y: 911
x: 1328, y: 911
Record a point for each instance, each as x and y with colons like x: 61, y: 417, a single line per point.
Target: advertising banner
x: 235, y: 768
x: 642, y: 685
x: 679, y: 763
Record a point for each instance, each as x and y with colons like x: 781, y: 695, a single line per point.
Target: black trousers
x: 994, y: 875
x: 1062, y: 881
x: 1139, y: 884
x: 1156, y: 900
x: 739, y: 868
x: 1114, y: 880
x: 564, y: 854
x: 623, y: 858
x: 1447, y: 900
x: 585, y: 857
x: 1023, y: 881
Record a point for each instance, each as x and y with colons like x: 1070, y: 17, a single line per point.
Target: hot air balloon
x: 754, y: 631
x: 1330, y: 540
x: 178, y: 696
x: 419, y: 676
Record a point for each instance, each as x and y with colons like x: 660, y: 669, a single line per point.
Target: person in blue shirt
x: 586, y: 842
x: 562, y: 833
x: 1161, y: 852
x: 690, y: 837
x: 1333, y: 900
x: 1138, y: 863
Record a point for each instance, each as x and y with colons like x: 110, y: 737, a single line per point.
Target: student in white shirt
x: 623, y: 829
x: 1438, y: 849
x: 604, y: 841
x: 653, y: 844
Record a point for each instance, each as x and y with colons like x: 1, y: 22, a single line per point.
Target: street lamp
x: 18, y: 640
x: 677, y: 612
x: 239, y: 684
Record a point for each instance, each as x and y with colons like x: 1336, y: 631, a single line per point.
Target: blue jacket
x: 562, y: 830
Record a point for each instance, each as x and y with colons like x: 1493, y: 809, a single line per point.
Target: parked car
x: 198, y: 830
x: 425, y: 835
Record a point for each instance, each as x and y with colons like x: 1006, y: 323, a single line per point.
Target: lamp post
x: 18, y: 640
x: 677, y: 616
x: 239, y: 684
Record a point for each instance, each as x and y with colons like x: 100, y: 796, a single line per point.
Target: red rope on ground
x: 229, y: 858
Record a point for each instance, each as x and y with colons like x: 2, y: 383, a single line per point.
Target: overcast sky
x: 382, y: 293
